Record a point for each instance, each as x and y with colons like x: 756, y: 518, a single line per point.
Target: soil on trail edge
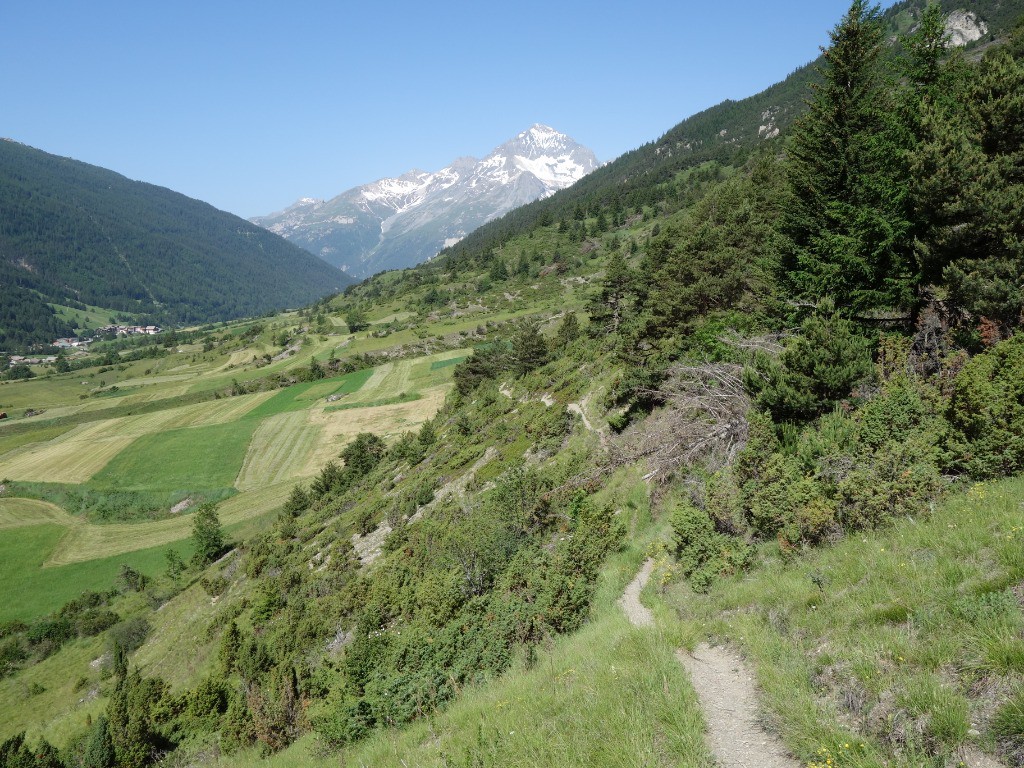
x: 637, y: 613
x: 729, y: 699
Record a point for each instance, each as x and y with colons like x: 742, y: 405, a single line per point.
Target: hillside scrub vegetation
x: 809, y: 351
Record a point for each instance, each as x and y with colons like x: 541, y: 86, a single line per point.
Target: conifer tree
x: 969, y: 192
x: 845, y: 229
x: 99, y: 750
x: 568, y: 330
x: 608, y: 308
x: 230, y: 642
x: 817, y: 369
x: 130, y: 719
x: 529, y: 349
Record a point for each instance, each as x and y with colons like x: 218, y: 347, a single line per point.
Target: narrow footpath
x: 727, y: 694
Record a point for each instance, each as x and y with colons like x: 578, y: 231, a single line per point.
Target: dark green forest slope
x: 72, y: 232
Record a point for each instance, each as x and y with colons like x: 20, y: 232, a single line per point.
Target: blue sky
x: 252, y: 105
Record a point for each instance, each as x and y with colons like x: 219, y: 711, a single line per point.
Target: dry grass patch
x: 84, y: 542
x: 279, y: 450
x: 63, y: 460
x: 340, y: 427
x: 18, y: 513
x: 178, y: 648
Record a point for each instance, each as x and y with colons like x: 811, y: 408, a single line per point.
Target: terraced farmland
x: 280, y: 450
x: 252, y: 448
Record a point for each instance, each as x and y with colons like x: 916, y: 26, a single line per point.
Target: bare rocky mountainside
x: 394, y: 223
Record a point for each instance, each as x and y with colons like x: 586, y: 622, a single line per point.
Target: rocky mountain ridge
x: 398, y: 222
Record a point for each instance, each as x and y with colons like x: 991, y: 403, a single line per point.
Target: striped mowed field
x: 258, y: 444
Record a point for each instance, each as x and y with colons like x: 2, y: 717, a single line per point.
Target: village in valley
x: 82, y: 343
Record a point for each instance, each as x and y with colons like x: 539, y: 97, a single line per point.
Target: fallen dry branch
x: 703, y: 421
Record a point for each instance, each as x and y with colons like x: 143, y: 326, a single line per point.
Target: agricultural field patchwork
x: 33, y: 531
x: 248, y: 451
x: 280, y: 449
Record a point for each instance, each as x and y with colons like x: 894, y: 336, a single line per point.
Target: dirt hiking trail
x: 727, y: 694
x: 637, y: 613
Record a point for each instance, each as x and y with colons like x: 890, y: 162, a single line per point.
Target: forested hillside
x: 72, y: 233
x: 725, y: 134
x: 786, y: 374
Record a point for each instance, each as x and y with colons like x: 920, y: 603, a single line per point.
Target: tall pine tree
x: 846, y: 232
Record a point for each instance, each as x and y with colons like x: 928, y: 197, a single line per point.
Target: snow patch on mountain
x: 398, y: 222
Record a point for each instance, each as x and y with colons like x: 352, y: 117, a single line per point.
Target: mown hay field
x: 85, y: 541
x: 32, y: 532
x: 279, y: 450
x: 78, y: 454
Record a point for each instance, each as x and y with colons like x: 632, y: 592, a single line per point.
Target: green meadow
x: 33, y: 590
x: 197, y: 458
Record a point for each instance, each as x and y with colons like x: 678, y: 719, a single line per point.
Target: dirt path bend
x: 637, y: 613
x: 726, y: 691
x: 728, y: 697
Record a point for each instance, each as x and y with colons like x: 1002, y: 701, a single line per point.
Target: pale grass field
x: 85, y: 541
x: 63, y: 461
x: 280, y: 450
x: 387, y: 421
x: 404, y: 377
x: 77, y: 455
x: 18, y: 513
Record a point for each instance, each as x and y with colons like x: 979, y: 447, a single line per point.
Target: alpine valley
x: 395, y: 223
x: 712, y: 459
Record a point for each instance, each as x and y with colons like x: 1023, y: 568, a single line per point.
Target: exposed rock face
x: 964, y: 27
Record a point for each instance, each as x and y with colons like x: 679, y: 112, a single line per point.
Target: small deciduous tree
x: 356, y: 320
x: 207, y: 536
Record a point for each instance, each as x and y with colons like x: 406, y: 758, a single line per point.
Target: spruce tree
x: 845, y: 229
x: 131, y: 719
x: 969, y: 192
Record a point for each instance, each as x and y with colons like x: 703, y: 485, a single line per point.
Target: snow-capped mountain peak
x: 398, y: 222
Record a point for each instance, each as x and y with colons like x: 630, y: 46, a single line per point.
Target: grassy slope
x: 608, y: 695
x: 33, y: 589
x: 902, y: 641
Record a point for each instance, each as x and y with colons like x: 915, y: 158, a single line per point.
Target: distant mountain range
x: 74, y: 234
x: 395, y: 223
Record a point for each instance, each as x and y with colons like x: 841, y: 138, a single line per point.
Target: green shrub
x: 129, y: 634
x: 704, y: 553
x: 895, y: 481
x: 986, y: 411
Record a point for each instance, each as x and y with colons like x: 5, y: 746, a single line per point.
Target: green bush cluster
x: 84, y: 616
x: 986, y: 412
